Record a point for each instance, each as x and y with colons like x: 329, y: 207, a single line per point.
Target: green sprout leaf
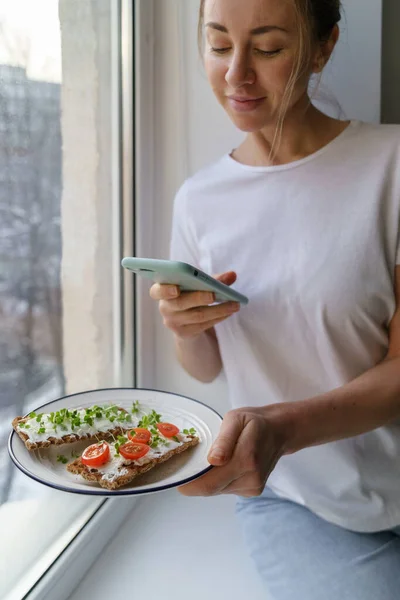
x: 190, y: 431
x: 122, y: 439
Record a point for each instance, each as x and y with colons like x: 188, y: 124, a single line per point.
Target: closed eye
x: 261, y: 52
x: 220, y: 50
x: 269, y: 52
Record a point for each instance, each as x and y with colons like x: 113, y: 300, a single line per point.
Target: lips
x: 244, y: 103
x: 244, y: 99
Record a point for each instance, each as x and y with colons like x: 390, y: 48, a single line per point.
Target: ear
x: 324, y: 51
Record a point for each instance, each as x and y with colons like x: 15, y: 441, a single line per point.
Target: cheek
x: 275, y: 76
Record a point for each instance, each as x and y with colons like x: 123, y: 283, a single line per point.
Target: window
x: 60, y: 246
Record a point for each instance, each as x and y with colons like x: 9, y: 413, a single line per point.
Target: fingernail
x: 211, y: 299
x: 172, y: 291
x: 217, y: 454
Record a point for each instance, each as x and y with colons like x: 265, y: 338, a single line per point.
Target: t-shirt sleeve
x: 183, y: 245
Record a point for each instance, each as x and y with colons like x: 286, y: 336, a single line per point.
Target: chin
x: 249, y: 124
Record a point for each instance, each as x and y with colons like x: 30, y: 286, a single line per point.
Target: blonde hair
x: 315, y: 20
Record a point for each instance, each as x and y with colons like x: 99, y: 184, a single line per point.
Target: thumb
x: 227, y: 278
x: 223, y: 447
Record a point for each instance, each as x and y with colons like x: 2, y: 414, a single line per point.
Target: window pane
x: 31, y: 365
x: 57, y: 213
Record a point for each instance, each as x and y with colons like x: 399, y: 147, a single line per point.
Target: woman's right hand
x: 189, y: 314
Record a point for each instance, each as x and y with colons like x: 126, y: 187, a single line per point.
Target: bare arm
x: 200, y: 356
x: 370, y: 401
x: 192, y: 320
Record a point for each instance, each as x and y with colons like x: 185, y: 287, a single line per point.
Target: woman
x: 305, y: 213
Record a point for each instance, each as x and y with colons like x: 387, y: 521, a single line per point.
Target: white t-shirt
x: 315, y: 244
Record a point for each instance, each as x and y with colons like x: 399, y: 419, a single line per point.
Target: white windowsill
x: 76, y: 559
x: 175, y: 547
x: 24, y: 527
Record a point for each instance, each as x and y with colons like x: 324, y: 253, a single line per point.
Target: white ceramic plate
x: 42, y: 465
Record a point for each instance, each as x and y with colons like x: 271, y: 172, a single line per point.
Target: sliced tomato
x: 96, y: 455
x: 133, y: 450
x: 139, y: 434
x: 167, y: 429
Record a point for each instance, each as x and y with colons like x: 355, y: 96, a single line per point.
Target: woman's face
x: 250, y: 53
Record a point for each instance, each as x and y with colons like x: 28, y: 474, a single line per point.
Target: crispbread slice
x: 66, y: 439
x: 130, y: 471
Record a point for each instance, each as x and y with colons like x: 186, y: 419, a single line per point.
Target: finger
x: 188, y: 300
x: 229, y: 479
x: 204, y: 314
x: 224, y: 446
x: 212, y: 483
x: 227, y: 278
x: 161, y: 291
x: 223, y: 481
x: 193, y: 330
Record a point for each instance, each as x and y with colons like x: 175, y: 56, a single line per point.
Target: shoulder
x: 383, y: 135
x: 209, y: 177
x: 373, y: 147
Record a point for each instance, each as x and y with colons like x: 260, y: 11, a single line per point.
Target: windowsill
x: 24, y: 526
x: 191, y: 547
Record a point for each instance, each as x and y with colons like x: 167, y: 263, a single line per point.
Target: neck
x: 305, y: 131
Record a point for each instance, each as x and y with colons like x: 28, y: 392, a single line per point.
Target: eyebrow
x: 256, y: 31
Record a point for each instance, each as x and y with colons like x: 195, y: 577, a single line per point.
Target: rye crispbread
x: 66, y: 439
x: 93, y: 475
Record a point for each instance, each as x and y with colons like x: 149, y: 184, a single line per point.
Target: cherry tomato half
x: 139, y: 434
x: 96, y: 455
x: 167, y: 429
x: 133, y: 450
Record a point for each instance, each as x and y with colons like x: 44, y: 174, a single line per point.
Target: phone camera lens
x: 196, y: 273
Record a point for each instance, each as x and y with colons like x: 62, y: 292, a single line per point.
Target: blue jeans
x: 302, y: 557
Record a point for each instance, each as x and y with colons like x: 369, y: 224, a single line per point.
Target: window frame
x: 133, y: 51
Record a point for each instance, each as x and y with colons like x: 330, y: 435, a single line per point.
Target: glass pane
x: 57, y: 175
x: 31, y: 366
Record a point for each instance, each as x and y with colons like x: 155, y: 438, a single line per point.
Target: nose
x: 240, y: 71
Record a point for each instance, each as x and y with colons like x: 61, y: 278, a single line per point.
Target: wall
x: 192, y: 130
x: 353, y: 77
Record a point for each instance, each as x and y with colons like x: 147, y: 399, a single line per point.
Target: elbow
x: 208, y: 378
x: 202, y: 375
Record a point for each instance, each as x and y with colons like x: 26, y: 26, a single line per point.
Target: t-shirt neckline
x: 297, y: 163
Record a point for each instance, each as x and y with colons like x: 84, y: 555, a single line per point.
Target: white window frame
x: 133, y: 126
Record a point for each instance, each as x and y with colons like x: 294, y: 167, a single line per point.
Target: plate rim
x: 102, y: 491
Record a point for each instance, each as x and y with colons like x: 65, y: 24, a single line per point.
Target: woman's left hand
x: 249, y: 445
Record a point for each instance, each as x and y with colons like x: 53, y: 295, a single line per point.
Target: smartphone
x: 187, y: 277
